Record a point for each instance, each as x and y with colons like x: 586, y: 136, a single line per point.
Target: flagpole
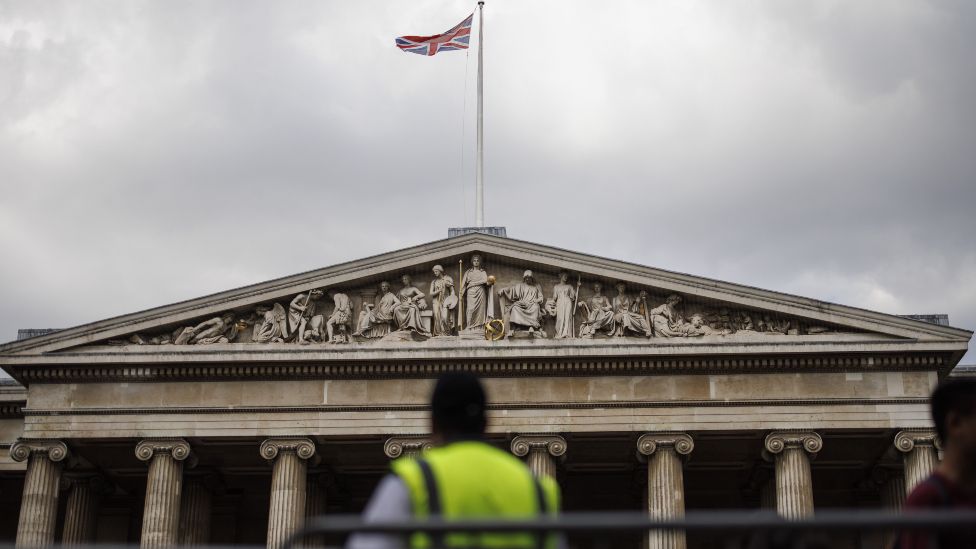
x: 479, y: 177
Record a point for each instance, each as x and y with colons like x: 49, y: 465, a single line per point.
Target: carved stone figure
x: 339, y: 319
x: 271, y: 325
x: 564, y: 296
x: 411, y: 303
x: 626, y: 313
x: 474, y: 294
x: 443, y: 302
x: 599, y: 314
x: 697, y: 327
x: 665, y: 320
x: 375, y: 319
x: 302, y: 317
x: 525, y: 309
x: 221, y: 329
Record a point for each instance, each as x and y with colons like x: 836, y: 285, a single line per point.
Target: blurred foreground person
x: 953, y: 483
x: 462, y: 477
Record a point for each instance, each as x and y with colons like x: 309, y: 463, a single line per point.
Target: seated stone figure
x: 375, y: 318
x: 338, y: 322
x: 665, y: 319
x: 303, y: 324
x: 270, y: 325
x: 599, y: 314
x: 626, y: 314
x: 525, y: 311
x: 407, y: 312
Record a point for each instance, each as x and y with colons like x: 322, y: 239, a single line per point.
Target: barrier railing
x: 747, y: 529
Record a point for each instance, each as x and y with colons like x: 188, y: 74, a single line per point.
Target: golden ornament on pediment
x: 494, y: 329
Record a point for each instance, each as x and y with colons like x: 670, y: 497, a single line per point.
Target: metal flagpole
x: 479, y: 177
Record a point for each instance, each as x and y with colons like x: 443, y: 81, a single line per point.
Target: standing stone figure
x: 443, y: 302
x: 375, y: 319
x: 302, y: 317
x: 526, y: 300
x: 271, y: 324
x: 599, y: 315
x: 564, y: 295
x: 407, y: 312
x: 339, y: 319
x: 474, y: 293
x: 626, y: 313
x: 220, y: 329
x: 666, y: 321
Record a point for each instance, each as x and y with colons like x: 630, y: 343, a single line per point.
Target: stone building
x: 229, y: 418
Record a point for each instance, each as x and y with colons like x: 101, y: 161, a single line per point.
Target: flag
x: 454, y: 39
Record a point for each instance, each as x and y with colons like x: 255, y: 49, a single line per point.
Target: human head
x: 954, y: 414
x: 227, y: 318
x: 563, y: 277
x: 476, y: 260
x: 384, y: 286
x: 697, y: 320
x: 438, y: 270
x: 405, y: 279
x: 674, y: 299
x: 458, y: 407
x: 597, y: 288
x: 621, y: 287
x: 527, y: 276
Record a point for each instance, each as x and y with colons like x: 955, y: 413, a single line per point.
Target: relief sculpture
x: 375, y: 318
x: 407, y: 313
x: 627, y: 313
x: 599, y: 314
x: 524, y: 306
x: 443, y: 303
x: 221, y: 329
x: 474, y: 295
x: 564, y: 301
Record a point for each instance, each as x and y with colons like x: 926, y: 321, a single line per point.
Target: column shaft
x: 81, y: 514
x: 287, y: 497
x: 920, y: 461
x: 39, y: 505
x: 541, y: 463
x: 161, y: 514
x: 665, y: 497
x: 893, y: 492
x: 794, y: 484
x: 195, y: 513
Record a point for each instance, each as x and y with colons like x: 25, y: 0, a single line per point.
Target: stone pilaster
x: 81, y: 510
x: 665, y: 483
x: 288, y: 486
x: 164, y: 485
x: 39, y: 503
x: 919, y: 449
x: 195, y: 510
x: 540, y: 452
x: 794, y: 483
x: 409, y: 446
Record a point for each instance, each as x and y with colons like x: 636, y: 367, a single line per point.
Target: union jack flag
x: 454, y: 39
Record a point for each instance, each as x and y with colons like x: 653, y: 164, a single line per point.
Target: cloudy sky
x: 152, y: 152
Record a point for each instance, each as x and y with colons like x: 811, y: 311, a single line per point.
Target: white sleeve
x: 390, y: 501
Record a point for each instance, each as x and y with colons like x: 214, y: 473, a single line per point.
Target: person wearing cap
x: 461, y: 477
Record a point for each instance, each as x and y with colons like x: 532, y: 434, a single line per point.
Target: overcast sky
x: 152, y: 152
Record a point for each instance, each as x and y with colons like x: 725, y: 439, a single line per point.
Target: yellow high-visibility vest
x: 474, y: 480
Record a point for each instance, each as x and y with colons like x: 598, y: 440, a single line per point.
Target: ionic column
x: 39, y: 503
x: 794, y: 483
x: 164, y: 485
x: 287, y: 509
x: 314, y: 506
x: 665, y: 483
x: 919, y: 449
x: 81, y: 511
x: 409, y: 446
x: 195, y: 509
x: 542, y: 451
x: 891, y: 486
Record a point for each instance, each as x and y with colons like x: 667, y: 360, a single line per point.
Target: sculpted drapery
x: 626, y: 315
x: 474, y: 292
x: 565, y: 297
x: 407, y: 312
x: 442, y: 295
x: 526, y: 300
x: 666, y: 321
x: 600, y: 315
x: 375, y: 319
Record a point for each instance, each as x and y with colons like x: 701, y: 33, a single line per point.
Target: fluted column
x: 919, y: 450
x: 665, y: 483
x: 540, y: 452
x: 39, y: 503
x: 314, y: 506
x: 287, y: 509
x: 409, y: 446
x: 794, y: 483
x: 81, y: 510
x: 164, y: 485
x: 195, y: 510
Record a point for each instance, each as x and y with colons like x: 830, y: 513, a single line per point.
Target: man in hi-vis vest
x: 462, y: 477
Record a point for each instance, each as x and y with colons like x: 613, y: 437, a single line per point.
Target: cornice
x: 515, y: 366
x: 589, y: 405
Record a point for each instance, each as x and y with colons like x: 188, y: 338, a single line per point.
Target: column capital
x: 395, y: 447
x: 908, y: 439
x: 177, y: 448
x: 303, y: 447
x: 24, y: 447
x: 554, y: 445
x: 648, y: 443
x: 778, y: 441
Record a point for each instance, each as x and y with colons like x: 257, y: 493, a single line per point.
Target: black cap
x: 458, y: 405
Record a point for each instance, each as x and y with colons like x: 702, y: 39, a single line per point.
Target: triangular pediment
x: 712, y: 312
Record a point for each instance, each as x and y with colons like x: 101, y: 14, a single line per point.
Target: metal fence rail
x: 748, y: 529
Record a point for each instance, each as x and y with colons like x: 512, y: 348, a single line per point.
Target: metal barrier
x: 742, y: 529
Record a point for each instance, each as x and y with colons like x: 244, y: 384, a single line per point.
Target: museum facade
x: 232, y: 417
